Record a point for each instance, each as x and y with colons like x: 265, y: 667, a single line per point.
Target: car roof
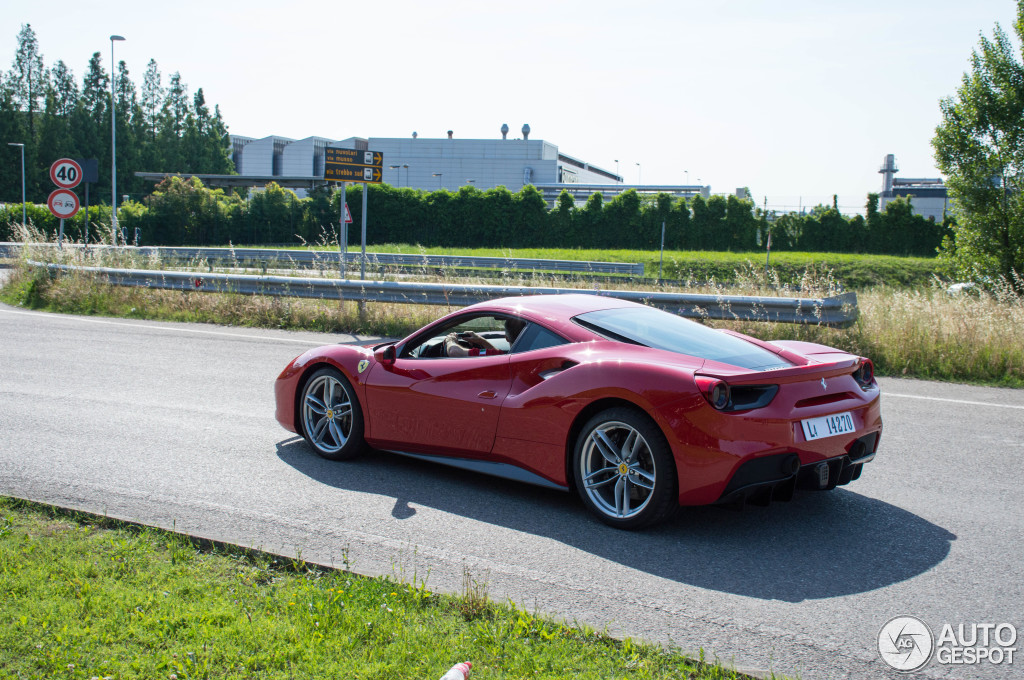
x: 555, y: 310
x: 561, y: 306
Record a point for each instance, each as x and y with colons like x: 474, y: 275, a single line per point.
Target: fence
x: 838, y: 311
x: 301, y: 259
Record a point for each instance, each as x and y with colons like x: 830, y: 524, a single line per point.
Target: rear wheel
x: 624, y: 470
x: 332, y: 421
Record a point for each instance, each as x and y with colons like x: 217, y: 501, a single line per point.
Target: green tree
x: 64, y: 88
x: 562, y: 222
x: 716, y: 237
x: 152, y: 99
x: 699, y: 236
x: 979, y: 146
x: 740, y: 225
x: 590, y: 221
x: 90, y: 123
x: 28, y: 77
x: 175, y: 119
x: 126, y: 109
x: 11, y: 130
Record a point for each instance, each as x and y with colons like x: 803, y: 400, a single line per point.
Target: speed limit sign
x: 66, y: 173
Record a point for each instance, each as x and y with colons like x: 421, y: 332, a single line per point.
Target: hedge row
x: 185, y: 212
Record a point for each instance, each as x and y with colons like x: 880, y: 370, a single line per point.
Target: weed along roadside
x: 921, y: 332
x: 86, y: 596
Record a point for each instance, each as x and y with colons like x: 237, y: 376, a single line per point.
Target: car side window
x: 432, y: 346
x: 536, y: 337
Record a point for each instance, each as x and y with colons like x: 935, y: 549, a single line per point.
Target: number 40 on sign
x: 66, y: 173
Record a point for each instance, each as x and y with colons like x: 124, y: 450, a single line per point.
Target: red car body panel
x: 523, y: 409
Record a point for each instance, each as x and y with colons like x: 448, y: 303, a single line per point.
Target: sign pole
x: 661, y: 260
x: 343, y: 234
x: 362, y: 263
x: 60, y: 234
x: 352, y: 165
x: 86, y: 240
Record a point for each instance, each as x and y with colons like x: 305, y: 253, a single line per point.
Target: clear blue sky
x: 797, y: 100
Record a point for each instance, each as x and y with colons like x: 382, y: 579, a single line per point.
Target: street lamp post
x: 406, y: 166
x: 398, y: 172
x: 24, y: 221
x: 113, y: 144
x: 639, y: 174
x: 438, y: 175
x: 617, y: 168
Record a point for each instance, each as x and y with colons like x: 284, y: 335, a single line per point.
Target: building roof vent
x: 450, y: 134
x: 504, y: 130
x: 414, y: 134
x: 526, y: 130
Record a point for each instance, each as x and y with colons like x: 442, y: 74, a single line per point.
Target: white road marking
x: 316, y: 342
x: 953, y: 401
x: 164, y: 328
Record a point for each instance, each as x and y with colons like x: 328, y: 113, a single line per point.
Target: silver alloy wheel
x: 617, y: 469
x: 327, y: 413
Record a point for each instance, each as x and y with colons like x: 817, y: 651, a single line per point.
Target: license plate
x: 828, y: 426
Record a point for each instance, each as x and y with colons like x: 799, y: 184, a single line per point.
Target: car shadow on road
x: 820, y: 545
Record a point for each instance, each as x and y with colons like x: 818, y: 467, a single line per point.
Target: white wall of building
x: 428, y: 164
x: 511, y: 163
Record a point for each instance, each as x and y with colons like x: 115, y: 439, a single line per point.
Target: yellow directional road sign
x: 350, y: 165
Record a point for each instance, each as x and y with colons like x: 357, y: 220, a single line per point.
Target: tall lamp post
x: 24, y: 221
x: 639, y: 174
x: 406, y: 166
x: 438, y: 175
x: 398, y: 173
x: 113, y: 145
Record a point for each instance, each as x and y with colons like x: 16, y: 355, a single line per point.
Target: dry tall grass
x: 976, y: 337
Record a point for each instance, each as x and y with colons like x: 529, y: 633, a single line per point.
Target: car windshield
x: 655, y: 328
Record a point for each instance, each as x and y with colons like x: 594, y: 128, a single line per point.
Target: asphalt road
x: 172, y: 425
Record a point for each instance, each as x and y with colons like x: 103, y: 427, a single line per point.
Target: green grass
x: 917, y: 332
x: 852, y: 271
x: 86, y: 597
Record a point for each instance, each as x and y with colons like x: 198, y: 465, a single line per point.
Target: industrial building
x: 430, y: 164
x: 928, y: 196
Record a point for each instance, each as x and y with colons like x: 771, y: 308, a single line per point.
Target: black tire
x: 329, y: 415
x: 624, y: 470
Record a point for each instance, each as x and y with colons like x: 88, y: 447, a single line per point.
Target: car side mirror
x: 385, y: 355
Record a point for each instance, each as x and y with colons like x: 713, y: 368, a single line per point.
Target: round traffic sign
x: 66, y: 173
x: 63, y: 203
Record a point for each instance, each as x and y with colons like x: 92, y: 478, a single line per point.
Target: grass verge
x: 921, y: 333
x: 87, y: 597
x: 853, y: 271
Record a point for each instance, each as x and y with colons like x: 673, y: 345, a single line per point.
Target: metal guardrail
x: 839, y: 310
x: 301, y: 259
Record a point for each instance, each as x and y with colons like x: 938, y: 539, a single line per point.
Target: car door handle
x: 487, y: 394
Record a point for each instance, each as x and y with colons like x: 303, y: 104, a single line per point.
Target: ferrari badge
x: 363, y: 364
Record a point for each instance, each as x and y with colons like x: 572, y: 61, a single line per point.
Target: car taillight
x: 715, y: 391
x: 865, y: 373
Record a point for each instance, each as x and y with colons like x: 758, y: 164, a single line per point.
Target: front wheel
x: 624, y: 470
x: 332, y: 421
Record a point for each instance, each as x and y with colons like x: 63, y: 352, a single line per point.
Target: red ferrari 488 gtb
x: 637, y: 409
